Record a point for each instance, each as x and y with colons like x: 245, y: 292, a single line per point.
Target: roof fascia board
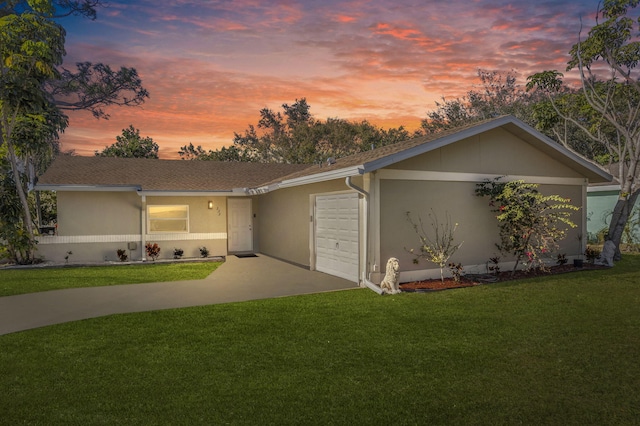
x: 84, y: 188
x: 261, y: 189
x: 151, y: 193
x: 244, y: 192
x: 603, y: 188
x: 419, y: 175
x: 323, y: 177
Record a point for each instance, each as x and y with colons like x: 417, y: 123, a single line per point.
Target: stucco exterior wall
x: 493, y: 152
x: 477, y: 226
x: 94, y: 252
x: 600, y: 205
x: 201, y: 218
x: 255, y: 209
x: 207, y: 227
x: 284, y: 220
x: 599, y: 208
x: 94, y: 225
x: 98, y: 213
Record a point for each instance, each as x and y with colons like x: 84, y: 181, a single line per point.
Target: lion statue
x: 389, y: 284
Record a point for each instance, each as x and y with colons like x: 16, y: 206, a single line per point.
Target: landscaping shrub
x: 592, y: 253
x: 531, y: 224
x: 493, y: 265
x: 562, y: 259
x: 122, y: 255
x: 153, y: 250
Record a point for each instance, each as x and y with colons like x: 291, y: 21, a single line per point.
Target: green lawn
x: 30, y: 280
x: 560, y: 350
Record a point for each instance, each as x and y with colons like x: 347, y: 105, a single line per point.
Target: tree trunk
x: 619, y: 219
x: 38, y: 211
x: 32, y: 184
x: 515, y: 267
x: 26, y: 213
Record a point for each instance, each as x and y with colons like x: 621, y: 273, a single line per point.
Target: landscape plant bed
x: 43, y: 264
x: 437, y: 284
x: 470, y: 280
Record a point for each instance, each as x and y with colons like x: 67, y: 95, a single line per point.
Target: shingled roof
x: 193, y: 176
x: 159, y: 175
x: 181, y: 175
x: 375, y: 159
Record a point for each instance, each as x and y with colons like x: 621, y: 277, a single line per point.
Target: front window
x: 168, y: 218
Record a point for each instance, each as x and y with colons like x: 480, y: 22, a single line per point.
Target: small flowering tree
x: 531, y: 224
x: 438, y: 249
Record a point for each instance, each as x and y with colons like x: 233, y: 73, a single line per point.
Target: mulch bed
x: 479, y: 279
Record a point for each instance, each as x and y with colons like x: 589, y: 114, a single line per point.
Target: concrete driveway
x: 238, y: 279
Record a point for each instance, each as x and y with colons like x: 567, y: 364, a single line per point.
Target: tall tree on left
x: 31, y: 48
x: 34, y: 91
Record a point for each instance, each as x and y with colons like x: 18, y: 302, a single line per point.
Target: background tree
x: 277, y: 142
x: 55, y: 9
x: 608, y: 111
x: 574, y: 103
x: 338, y: 138
x: 294, y: 136
x: 232, y: 153
x: 93, y: 87
x: 131, y: 145
x: 500, y: 94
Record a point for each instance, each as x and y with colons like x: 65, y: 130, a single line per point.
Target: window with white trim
x: 168, y: 218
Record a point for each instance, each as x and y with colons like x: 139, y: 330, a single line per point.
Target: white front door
x: 337, y: 235
x: 240, y: 226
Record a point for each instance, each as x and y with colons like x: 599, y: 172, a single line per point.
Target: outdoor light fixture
x: 210, y: 205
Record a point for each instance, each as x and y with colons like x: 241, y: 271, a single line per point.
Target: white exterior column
x: 143, y: 227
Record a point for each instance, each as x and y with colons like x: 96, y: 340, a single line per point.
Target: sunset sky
x: 211, y: 66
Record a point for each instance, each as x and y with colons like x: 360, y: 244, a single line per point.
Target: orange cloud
x: 211, y: 68
x: 344, y: 18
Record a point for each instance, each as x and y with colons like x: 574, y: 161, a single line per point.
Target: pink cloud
x: 211, y: 66
x: 344, y: 18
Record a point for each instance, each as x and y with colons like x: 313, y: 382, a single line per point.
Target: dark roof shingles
x: 162, y: 175
x: 182, y: 175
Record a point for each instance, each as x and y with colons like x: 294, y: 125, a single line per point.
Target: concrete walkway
x: 236, y: 280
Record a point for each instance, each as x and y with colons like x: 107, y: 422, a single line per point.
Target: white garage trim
x: 336, y: 229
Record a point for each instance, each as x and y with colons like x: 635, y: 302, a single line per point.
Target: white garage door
x: 336, y: 235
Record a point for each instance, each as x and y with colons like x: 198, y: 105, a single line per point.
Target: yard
x: 551, y: 350
x: 29, y: 280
